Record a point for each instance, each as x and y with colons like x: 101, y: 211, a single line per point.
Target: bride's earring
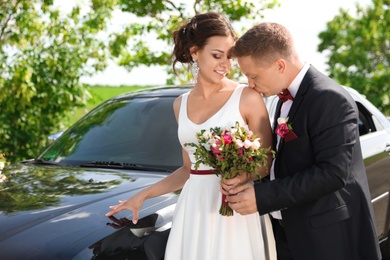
x: 195, y: 71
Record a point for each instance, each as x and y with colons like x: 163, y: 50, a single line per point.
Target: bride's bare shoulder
x: 250, y: 95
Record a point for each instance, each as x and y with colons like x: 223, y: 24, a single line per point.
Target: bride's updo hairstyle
x: 196, y: 33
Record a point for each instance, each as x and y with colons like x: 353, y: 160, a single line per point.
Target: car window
x: 366, y: 120
x: 140, y: 131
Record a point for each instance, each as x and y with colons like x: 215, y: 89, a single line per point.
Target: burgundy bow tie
x: 285, y: 95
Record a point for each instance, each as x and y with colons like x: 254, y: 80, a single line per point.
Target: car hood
x: 45, y: 199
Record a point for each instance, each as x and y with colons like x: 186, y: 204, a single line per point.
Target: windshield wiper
x: 120, y: 165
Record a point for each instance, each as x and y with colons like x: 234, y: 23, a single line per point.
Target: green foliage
x: 43, y: 54
x: 359, y: 51
x: 157, y: 19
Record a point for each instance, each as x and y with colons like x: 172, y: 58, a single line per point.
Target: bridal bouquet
x: 229, y: 151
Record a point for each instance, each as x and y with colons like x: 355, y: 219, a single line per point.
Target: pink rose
x: 282, y: 130
x: 215, y: 150
x: 215, y: 147
x: 227, y: 139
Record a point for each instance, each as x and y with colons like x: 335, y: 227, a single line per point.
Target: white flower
x: 2, y: 164
x: 212, y: 142
x: 207, y: 146
x: 282, y: 120
x: 239, y: 143
x: 256, y: 144
x: 247, y: 144
x: 206, y: 135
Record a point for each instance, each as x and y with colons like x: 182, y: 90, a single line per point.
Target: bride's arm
x: 173, y: 182
x: 254, y: 111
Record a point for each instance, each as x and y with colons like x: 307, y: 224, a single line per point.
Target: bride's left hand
x: 228, y: 184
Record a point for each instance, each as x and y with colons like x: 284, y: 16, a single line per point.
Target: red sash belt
x: 201, y: 172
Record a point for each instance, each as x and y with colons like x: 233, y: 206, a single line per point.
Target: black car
x: 53, y: 207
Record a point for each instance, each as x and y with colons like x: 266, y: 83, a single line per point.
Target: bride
x: 198, y: 230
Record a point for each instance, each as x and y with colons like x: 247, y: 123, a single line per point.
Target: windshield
x: 140, y: 131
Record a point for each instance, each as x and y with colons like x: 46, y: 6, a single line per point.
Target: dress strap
x: 183, y: 107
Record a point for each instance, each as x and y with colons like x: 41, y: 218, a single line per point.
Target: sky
x: 304, y: 18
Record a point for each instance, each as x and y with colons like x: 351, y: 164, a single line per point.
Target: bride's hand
x: 134, y: 204
x: 241, y: 178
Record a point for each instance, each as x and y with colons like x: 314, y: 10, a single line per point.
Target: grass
x: 98, y: 95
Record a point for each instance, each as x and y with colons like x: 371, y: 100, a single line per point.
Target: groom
x: 318, y: 196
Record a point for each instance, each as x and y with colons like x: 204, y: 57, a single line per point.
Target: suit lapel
x: 299, y: 97
x: 303, y: 88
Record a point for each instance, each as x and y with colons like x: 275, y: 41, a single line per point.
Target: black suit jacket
x: 321, y: 186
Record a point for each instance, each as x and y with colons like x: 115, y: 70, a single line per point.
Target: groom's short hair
x: 264, y: 42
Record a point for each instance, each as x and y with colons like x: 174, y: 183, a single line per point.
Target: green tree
x: 43, y: 54
x: 359, y: 51
x: 157, y: 19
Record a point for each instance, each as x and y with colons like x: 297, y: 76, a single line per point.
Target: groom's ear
x: 280, y: 65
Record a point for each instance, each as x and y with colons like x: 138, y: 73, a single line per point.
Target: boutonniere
x: 284, y: 130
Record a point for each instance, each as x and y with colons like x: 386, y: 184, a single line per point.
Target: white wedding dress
x: 198, y: 231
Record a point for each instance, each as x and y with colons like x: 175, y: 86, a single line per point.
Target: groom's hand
x: 242, y: 198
